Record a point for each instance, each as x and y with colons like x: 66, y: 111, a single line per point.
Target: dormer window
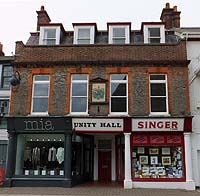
x: 84, y: 34
x: 154, y: 34
x: 119, y: 34
x: 49, y: 35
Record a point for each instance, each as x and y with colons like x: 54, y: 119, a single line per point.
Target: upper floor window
x: 49, y: 35
x: 5, y: 75
x: 119, y: 34
x: 158, y: 94
x: 154, y: 34
x: 40, y: 94
x: 79, y: 94
x: 84, y: 34
x: 4, y: 107
x: 119, y: 94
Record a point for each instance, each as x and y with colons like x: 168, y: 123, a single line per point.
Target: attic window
x: 49, y: 35
x: 84, y: 35
x: 119, y: 34
x: 154, y: 34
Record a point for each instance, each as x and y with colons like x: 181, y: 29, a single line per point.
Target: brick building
x: 5, y: 75
x: 101, y: 105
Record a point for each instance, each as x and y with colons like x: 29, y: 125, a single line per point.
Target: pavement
x: 92, y: 191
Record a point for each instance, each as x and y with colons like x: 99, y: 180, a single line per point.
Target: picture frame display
x: 98, y: 92
x: 153, y: 151
x: 166, y: 160
x: 143, y: 159
x: 140, y: 150
x: 154, y: 160
x: 165, y: 151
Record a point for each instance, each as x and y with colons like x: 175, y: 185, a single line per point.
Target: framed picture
x: 143, y: 159
x: 153, y: 151
x: 154, y: 160
x: 165, y: 151
x: 140, y: 150
x: 166, y: 160
x: 98, y: 92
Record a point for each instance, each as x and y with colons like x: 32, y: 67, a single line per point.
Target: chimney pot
x: 167, y: 5
x: 1, y: 50
x: 175, y: 8
x: 42, y: 8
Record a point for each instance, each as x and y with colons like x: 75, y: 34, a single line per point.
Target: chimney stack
x: 42, y: 18
x: 170, y: 16
x: 1, y: 50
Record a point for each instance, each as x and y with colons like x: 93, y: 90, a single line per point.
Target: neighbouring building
x: 104, y: 106
x: 192, y: 36
x: 5, y: 75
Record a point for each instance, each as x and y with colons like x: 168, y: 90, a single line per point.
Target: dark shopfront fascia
x: 39, y: 151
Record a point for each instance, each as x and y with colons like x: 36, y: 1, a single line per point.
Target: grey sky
x: 18, y: 17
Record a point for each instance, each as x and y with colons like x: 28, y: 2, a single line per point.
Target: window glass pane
x: 41, y: 89
x: 40, y: 104
x: 79, y: 89
x: 158, y: 90
x: 40, y: 155
x: 4, y: 106
x: 41, y: 78
x: 118, y: 40
x: 83, y: 33
x: 79, y: 104
x: 118, y: 105
x: 118, y: 89
x: 158, y: 104
x: 118, y: 77
x: 79, y: 77
x: 50, y: 33
x: 6, y: 83
x: 154, y: 40
x: 50, y: 42
x: 83, y: 41
x: 157, y: 77
x: 157, y: 162
x: 119, y: 32
x: 154, y: 32
x: 7, y: 71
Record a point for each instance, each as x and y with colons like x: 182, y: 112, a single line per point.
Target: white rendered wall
x: 193, y: 53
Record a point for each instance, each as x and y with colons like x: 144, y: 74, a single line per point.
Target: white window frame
x: 2, y: 77
x: 146, y: 33
x: 127, y: 33
x: 122, y: 82
x: 42, y: 40
x: 166, y: 97
x: 33, y: 88
x: 92, y: 33
x: 79, y: 81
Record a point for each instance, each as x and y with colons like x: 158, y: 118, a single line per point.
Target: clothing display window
x: 40, y: 155
x: 157, y: 162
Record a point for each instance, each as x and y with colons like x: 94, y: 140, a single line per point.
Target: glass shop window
x: 157, y: 162
x: 40, y: 155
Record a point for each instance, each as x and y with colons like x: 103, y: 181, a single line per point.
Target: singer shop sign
x: 160, y: 124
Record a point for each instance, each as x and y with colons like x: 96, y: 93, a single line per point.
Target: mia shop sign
x: 39, y: 124
x: 158, y: 124
x: 96, y: 125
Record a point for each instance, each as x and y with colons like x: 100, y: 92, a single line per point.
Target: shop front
x: 39, y: 151
x: 108, y: 146
x: 161, y: 153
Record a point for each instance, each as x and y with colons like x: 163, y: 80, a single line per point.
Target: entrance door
x: 104, y: 165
